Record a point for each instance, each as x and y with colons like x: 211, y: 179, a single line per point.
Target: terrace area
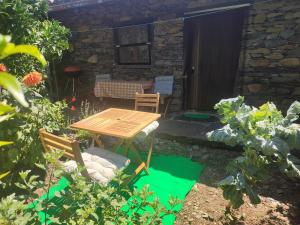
x: 150, y: 112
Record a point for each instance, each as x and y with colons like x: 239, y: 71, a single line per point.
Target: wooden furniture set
x: 125, y: 125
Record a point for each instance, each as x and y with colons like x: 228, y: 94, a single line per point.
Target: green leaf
x: 57, y: 194
x: 3, y: 143
x: 11, y: 49
x: 293, y: 168
x: 24, y: 174
x: 293, y: 136
x: 10, y: 83
x: 233, y: 195
x: 253, y: 196
x: 224, y: 134
x: 4, y: 175
x: 22, y: 186
x: 227, y: 181
x: 227, y: 108
x: 275, y: 145
x: 293, y: 112
x: 95, y: 216
x: 4, y: 40
x: 5, y: 117
x: 6, y: 108
x: 41, y: 166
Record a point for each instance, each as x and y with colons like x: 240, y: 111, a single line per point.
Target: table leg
x: 150, y: 150
x: 96, y: 138
x: 117, y: 144
x: 139, y: 158
x: 127, y: 146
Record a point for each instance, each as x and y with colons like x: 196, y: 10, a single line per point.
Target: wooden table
x: 123, y: 124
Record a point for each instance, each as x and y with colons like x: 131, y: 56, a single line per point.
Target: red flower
x: 73, y: 99
x: 73, y: 108
x: 2, y: 68
x: 32, y: 79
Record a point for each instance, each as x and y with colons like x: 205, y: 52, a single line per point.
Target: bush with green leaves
x: 27, y: 21
x: 23, y: 130
x: 12, y: 85
x: 267, y: 138
x: 84, y: 202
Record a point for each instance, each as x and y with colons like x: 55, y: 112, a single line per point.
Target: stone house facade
x: 269, y: 64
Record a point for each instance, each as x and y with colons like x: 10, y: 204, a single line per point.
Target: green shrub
x: 23, y: 130
x: 27, y: 21
x: 84, y: 202
x: 12, y: 85
x: 267, y: 138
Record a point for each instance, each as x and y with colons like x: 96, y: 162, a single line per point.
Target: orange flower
x: 2, y: 68
x: 32, y: 79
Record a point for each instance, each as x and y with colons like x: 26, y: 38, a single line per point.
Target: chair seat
x: 147, y: 130
x: 101, y: 164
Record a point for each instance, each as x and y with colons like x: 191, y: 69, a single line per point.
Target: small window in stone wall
x: 133, y: 45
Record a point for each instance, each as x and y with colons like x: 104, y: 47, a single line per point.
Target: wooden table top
x: 116, y: 122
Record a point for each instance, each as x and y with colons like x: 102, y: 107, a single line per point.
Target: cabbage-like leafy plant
x: 267, y: 138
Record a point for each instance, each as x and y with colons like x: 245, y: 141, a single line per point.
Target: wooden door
x: 212, y: 45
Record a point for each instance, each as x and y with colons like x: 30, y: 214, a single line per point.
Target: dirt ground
x: 205, y: 205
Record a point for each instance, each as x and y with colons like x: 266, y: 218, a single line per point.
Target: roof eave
x: 74, y: 4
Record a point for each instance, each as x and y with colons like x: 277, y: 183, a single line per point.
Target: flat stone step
x: 188, y: 131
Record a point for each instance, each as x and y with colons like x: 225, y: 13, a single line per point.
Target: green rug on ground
x: 169, y: 175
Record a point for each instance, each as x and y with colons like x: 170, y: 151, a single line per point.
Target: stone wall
x: 269, y: 62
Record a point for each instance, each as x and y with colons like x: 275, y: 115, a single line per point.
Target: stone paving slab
x: 190, y: 131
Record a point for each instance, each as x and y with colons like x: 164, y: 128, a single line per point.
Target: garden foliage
x: 12, y: 85
x: 83, y: 202
x: 267, y: 138
x: 28, y: 23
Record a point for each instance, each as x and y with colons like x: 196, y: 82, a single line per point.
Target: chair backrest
x: 147, y: 100
x: 103, y: 77
x: 164, y: 85
x: 52, y: 142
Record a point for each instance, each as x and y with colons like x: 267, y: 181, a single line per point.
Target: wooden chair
x: 147, y: 135
x: 98, y: 164
x: 147, y: 100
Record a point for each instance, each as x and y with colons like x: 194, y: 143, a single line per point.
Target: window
x: 133, y: 45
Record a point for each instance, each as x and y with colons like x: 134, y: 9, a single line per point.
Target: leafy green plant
x: 106, y: 204
x: 10, y: 83
x: 27, y: 21
x: 23, y: 130
x: 267, y: 138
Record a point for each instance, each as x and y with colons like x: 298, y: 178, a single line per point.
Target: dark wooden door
x: 212, y: 45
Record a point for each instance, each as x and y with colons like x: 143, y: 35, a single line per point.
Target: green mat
x: 169, y: 175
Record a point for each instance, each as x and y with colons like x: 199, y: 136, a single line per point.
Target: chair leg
x: 167, y: 106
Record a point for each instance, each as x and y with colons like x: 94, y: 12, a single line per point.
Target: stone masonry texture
x: 269, y: 66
